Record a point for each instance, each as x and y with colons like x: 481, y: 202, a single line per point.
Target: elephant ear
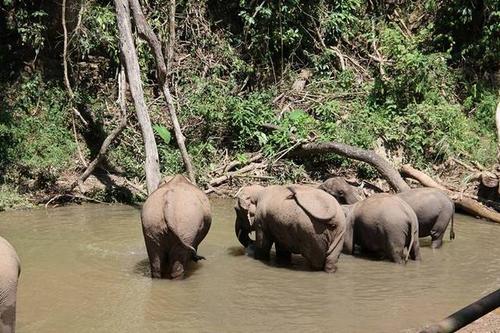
x: 245, y: 203
x: 316, y: 203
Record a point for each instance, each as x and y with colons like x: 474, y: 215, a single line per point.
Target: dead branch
x: 146, y: 33
x: 122, y: 86
x: 71, y: 196
x: 465, y: 165
x: 171, y: 35
x: 65, y: 50
x: 467, y: 204
x: 236, y: 163
x: 252, y: 166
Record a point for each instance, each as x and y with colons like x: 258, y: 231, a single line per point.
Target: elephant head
x: 341, y: 190
x: 246, y: 203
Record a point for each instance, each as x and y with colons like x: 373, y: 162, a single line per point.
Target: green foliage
x: 163, y: 132
x: 98, y: 35
x: 34, y: 127
x: 10, y: 198
x: 247, y: 117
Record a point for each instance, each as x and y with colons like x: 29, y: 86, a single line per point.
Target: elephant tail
x: 413, y: 232
x: 452, y: 232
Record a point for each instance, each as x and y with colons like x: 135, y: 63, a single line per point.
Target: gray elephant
x: 434, y: 208
x: 9, y: 275
x: 383, y: 226
x: 175, y: 219
x: 297, y: 219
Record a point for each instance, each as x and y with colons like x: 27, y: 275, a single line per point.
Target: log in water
x: 84, y: 269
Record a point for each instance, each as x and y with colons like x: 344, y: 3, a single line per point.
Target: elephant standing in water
x: 175, y: 219
x: 297, y: 219
x: 9, y: 274
x: 384, y: 226
x: 433, y: 207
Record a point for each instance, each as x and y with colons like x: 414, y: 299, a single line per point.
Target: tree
x: 131, y: 63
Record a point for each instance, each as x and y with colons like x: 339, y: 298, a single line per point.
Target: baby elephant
x: 175, y: 219
x: 433, y: 207
x: 383, y: 226
x: 9, y: 274
x: 297, y: 219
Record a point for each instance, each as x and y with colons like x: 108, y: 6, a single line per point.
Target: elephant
x: 433, y: 207
x: 176, y: 217
x: 384, y: 226
x: 9, y: 275
x: 297, y: 219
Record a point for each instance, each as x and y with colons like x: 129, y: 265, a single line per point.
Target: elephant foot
x: 330, y: 269
x: 436, y: 244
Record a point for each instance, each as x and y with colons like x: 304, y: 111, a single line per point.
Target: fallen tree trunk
x: 469, y: 205
x: 467, y: 314
x: 385, y: 169
x: 408, y: 171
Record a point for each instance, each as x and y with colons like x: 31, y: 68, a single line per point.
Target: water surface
x: 84, y: 269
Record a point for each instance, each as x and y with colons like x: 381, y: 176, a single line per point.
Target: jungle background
x: 417, y: 81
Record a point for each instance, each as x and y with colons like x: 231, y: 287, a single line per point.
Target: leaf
x: 163, y: 132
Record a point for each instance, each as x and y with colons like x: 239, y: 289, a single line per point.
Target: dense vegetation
x: 418, y: 78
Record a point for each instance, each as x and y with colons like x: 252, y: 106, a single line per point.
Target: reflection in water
x: 85, y: 269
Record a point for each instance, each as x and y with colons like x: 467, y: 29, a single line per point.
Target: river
x: 84, y: 269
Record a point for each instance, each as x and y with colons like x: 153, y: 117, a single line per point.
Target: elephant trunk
x: 242, y: 228
x: 242, y: 234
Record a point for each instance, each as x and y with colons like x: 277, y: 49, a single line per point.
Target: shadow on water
x: 236, y: 251
x: 142, y: 268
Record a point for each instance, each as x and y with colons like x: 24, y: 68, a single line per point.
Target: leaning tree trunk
x: 131, y: 62
x: 150, y: 37
x: 385, y: 169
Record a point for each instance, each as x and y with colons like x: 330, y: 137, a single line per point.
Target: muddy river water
x: 84, y: 269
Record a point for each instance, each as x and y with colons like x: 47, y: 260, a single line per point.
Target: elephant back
x: 316, y: 203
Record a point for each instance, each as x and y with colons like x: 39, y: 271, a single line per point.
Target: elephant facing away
x: 175, y: 219
x: 297, y: 219
x: 383, y: 226
x: 433, y: 208
x: 9, y: 275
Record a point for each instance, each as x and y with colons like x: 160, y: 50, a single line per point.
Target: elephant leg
x: 177, y: 262
x: 8, y: 307
x: 158, y: 256
x: 415, y: 250
x: 283, y: 256
x: 263, y: 244
x: 394, y: 250
x: 438, y: 229
x: 335, y: 248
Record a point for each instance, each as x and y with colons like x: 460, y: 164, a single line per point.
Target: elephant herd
x: 318, y: 223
